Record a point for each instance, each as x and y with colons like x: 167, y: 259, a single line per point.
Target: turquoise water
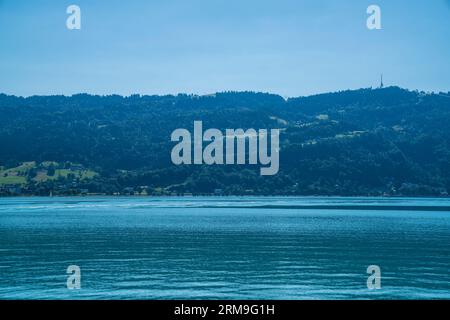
x: 224, y: 248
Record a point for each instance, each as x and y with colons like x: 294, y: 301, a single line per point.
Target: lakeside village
x: 50, y: 178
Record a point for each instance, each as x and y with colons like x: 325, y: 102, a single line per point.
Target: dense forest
x: 388, y: 141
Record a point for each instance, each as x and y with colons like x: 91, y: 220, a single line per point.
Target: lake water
x: 224, y: 248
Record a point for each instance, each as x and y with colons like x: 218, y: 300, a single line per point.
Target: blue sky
x: 289, y: 47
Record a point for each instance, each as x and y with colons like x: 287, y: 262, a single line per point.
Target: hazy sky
x: 289, y: 47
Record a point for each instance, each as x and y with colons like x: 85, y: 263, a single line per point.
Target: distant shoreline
x: 223, y: 196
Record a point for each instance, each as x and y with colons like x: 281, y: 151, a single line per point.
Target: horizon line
x: 217, y: 92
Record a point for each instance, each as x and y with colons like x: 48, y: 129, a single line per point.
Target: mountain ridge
x: 385, y: 141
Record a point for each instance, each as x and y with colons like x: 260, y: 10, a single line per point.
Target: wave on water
x: 293, y: 203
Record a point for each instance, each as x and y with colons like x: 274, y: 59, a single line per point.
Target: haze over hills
x: 387, y: 141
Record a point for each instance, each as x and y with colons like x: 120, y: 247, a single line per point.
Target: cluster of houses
x: 72, y: 189
x: 148, y: 191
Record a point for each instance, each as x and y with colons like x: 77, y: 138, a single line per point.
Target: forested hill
x: 387, y: 141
